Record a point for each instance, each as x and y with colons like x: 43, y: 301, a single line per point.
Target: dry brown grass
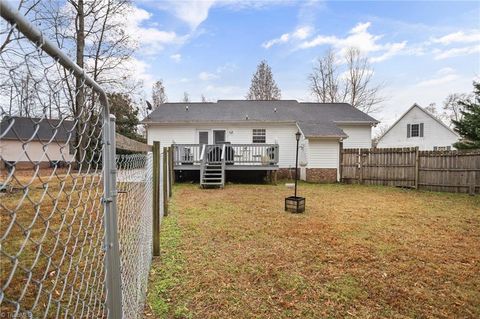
x: 358, y: 251
x: 51, y: 230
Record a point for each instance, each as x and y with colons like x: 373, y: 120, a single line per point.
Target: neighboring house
x: 418, y: 128
x: 260, y: 135
x: 25, y: 141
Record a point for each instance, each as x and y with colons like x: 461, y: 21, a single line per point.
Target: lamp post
x: 297, y: 137
x: 295, y: 204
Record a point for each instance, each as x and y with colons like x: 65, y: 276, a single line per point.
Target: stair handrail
x: 223, y: 153
x: 223, y: 164
x: 202, y: 153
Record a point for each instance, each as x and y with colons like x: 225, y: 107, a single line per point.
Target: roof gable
x: 416, y: 106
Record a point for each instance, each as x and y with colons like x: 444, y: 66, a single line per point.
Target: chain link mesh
x: 135, y: 192
x: 51, y: 184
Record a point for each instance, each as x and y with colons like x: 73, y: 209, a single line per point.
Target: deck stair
x: 212, y: 172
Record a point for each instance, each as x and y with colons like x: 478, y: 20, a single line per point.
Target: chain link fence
x: 75, y: 219
x: 135, y: 191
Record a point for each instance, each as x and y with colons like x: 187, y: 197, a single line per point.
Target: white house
x: 418, y: 128
x: 26, y: 141
x: 258, y: 135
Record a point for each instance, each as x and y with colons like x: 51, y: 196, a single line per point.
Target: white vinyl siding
x: 359, y: 136
x: 434, y: 133
x: 323, y: 153
x: 283, y: 134
x: 12, y: 150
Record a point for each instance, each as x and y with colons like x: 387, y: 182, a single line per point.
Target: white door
x: 219, y: 136
x: 203, y: 137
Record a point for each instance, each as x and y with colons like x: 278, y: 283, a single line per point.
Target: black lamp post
x: 297, y: 136
x: 295, y: 204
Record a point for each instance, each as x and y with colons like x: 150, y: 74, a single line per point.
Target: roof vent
x: 186, y: 108
x: 246, y: 117
x: 275, y: 110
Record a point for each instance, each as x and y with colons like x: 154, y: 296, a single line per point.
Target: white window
x: 203, y: 137
x: 415, y: 130
x: 442, y: 148
x: 259, y: 135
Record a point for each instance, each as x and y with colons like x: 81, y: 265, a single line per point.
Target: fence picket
x: 447, y: 171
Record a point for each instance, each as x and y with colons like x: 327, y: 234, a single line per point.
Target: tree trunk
x: 79, y: 111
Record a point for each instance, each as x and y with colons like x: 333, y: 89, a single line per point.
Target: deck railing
x: 187, y: 154
x: 231, y: 154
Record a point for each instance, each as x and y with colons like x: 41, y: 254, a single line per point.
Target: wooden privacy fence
x: 445, y: 171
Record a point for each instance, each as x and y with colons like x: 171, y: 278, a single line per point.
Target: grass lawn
x: 358, y: 251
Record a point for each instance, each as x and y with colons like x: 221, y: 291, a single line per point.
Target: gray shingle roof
x: 23, y: 128
x: 314, y: 119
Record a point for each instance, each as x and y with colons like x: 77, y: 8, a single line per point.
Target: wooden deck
x: 235, y: 156
x: 213, y: 160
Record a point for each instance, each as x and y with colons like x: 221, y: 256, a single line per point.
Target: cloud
x: 226, y: 68
x: 454, y: 52
x: 195, y: 13
x: 392, y: 50
x: 176, y: 57
x: 301, y: 33
x: 358, y: 37
x: 140, y: 71
x: 150, y: 38
x: 442, y: 76
x: 205, y: 76
x: 458, y: 37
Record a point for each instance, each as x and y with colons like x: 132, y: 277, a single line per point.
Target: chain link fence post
x: 112, y: 251
x: 156, y: 198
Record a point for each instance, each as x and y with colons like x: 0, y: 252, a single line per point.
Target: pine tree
x: 126, y: 115
x: 263, y: 86
x: 469, y: 125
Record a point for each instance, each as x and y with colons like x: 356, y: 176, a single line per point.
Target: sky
x: 420, y: 51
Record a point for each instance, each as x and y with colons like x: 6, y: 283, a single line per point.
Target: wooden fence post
x: 417, y: 166
x: 172, y: 164
x: 156, y: 198
x: 360, y: 166
x: 165, y: 182
x: 473, y: 178
x: 340, y: 159
x: 171, y: 180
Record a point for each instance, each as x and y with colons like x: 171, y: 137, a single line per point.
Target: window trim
x: 259, y: 133
x: 419, y: 130
x: 417, y: 126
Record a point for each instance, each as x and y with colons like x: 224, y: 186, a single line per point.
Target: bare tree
x: 186, y: 97
x: 158, y: 94
x: 352, y: 83
x: 380, y: 131
x: 24, y: 6
x: 433, y: 110
x: 451, y: 106
x: 263, y: 86
x: 204, y: 99
x: 95, y: 32
x: 324, y: 81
